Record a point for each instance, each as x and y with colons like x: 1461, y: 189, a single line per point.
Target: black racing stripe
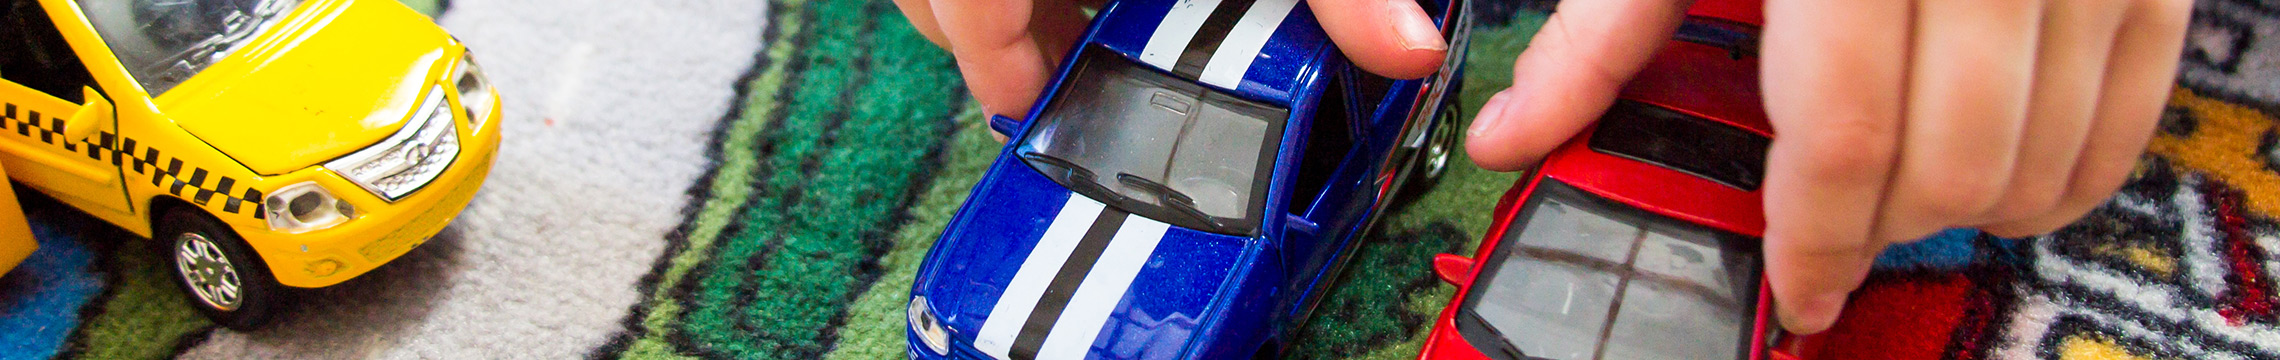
x: 1207, y: 38
x: 1064, y: 285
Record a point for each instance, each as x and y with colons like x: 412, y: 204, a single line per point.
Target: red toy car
x: 1639, y: 238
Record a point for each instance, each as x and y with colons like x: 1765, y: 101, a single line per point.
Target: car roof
x: 1678, y: 77
x: 1218, y: 43
x: 1707, y: 82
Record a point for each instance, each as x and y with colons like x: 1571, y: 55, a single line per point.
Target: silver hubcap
x: 1436, y: 158
x: 207, y: 271
x: 1437, y: 152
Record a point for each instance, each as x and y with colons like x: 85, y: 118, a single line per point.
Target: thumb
x: 1569, y: 74
x: 1395, y: 38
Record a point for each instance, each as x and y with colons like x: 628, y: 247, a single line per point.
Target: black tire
x: 210, y: 262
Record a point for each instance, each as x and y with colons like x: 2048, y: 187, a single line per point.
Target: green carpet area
x: 849, y: 147
x: 853, y: 145
x: 850, y: 141
x: 809, y: 186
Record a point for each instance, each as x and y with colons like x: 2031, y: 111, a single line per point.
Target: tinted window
x: 1329, y: 138
x: 1369, y: 91
x: 1582, y: 277
x: 1709, y: 149
x: 1158, y: 146
x: 33, y: 54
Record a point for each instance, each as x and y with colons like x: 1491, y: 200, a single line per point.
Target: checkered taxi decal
x: 121, y: 151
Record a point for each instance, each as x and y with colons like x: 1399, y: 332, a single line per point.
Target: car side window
x: 1328, y: 139
x: 1369, y: 92
x: 33, y: 54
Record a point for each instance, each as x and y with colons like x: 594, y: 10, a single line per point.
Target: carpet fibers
x: 723, y: 179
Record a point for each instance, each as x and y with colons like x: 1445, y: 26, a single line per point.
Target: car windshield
x: 163, y: 42
x: 1587, y: 278
x: 1157, y: 146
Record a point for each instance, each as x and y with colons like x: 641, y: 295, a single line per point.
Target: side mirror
x: 96, y: 113
x: 1004, y: 126
x: 1452, y: 268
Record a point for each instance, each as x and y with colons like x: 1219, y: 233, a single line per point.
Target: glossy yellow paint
x: 340, y: 76
x: 16, y: 241
x: 296, y: 259
x: 332, y: 77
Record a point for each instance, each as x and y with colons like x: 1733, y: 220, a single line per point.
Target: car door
x: 1324, y: 201
x: 42, y: 84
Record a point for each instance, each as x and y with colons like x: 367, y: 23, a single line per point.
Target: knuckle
x: 2033, y: 197
x: 1845, y: 154
x: 1951, y: 195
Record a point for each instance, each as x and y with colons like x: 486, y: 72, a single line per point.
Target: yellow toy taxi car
x: 266, y: 143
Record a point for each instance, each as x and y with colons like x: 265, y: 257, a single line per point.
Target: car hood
x: 1021, y: 233
x: 331, y: 78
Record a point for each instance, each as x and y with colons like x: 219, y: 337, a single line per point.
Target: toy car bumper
x: 384, y: 230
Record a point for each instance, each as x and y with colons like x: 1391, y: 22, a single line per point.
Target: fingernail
x: 1489, y: 116
x: 1817, y: 313
x: 1417, y: 31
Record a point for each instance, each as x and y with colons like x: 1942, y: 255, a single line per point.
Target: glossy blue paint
x: 1200, y: 294
x: 1281, y: 69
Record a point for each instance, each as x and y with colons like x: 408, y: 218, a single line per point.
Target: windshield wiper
x: 1076, y: 174
x: 1172, y: 199
x: 1074, y: 170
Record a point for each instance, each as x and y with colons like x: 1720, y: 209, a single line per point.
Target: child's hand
x: 1894, y: 118
x: 1006, y: 49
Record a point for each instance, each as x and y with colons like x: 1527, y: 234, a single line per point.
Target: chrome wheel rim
x: 1437, y: 159
x: 1437, y: 153
x: 207, y: 271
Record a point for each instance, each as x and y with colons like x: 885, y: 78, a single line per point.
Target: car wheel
x: 1437, y: 151
x: 1433, y: 160
x: 218, y: 273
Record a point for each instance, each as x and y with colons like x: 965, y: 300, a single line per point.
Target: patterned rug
x: 848, y: 141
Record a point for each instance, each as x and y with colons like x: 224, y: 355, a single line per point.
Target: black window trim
x: 1755, y: 144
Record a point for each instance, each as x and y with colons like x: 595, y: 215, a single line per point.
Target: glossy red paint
x: 1704, y: 81
x: 1745, y: 11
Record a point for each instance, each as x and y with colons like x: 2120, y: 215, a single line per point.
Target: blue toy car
x: 1187, y: 188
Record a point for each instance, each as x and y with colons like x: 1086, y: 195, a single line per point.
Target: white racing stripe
x: 1242, y: 44
x: 1103, y: 287
x: 1037, y: 271
x: 1172, y: 36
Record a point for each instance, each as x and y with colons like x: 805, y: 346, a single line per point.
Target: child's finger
x: 921, y: 15
x: 1003, y: 61
x: 1394, y: 38
x: 1568, y: 76
x: 1833, y: 80
x: 2070, y: 62
x: 1968, y: 78
x: 2137, y: 81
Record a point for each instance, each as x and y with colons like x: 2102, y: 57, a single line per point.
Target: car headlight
x: 411, y: 158
x: 305, y: 207
x: 475, y: 96
x: 929, y: 329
